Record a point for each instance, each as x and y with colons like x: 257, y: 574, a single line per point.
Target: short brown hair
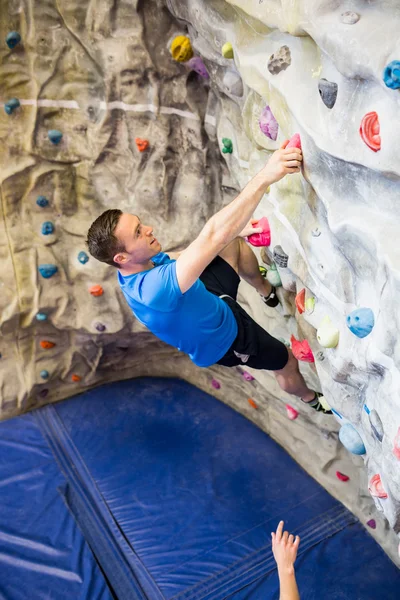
x: 101, y: 240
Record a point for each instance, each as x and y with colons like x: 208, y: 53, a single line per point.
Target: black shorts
x: 253, y: 346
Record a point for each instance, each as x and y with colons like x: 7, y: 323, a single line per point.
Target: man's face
x: 138, y: 240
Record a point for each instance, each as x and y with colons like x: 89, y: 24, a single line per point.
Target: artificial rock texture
x: 103, y: 75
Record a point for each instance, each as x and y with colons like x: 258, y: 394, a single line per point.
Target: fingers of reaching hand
x: 279, y: 530
x: 291, y: 539
x: 297, y: 541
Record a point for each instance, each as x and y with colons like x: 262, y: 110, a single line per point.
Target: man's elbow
x: 216, y: 236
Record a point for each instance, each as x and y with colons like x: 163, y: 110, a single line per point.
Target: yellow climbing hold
x: 227, y: 50
x: 181, y: 48
x: 327, y: 334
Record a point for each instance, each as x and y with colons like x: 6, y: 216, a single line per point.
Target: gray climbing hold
x: 13, y: 38
x: 100, y: 327
x: 41, y: 317
x: 233, y: 83
x: 320, y: 356
x: 12, y: 105
x: 83, y: 257
x: 316, y: 232
x: 47, y: 228
x: 280, y: 60
x: 376, y: 425
x: 44, y: 374
x: 42, y: 201
x: 48, y: 270
x: 55, y: 136
x: 280, y: 257
x: 328, y: 91
x: 349, y: 17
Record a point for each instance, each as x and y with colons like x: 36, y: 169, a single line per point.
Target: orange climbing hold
x: 295, y: 141
x: 302, y: 350
x: 96, y: 290
x: 376, y: 487
x: 301, y: 301
x: 76, y: 377
x: 369, y: 131
x: 142, y: 145
x: 252, y: 403
x: 47, y: 345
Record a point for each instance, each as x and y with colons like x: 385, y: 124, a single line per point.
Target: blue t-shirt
x: 196, y: 322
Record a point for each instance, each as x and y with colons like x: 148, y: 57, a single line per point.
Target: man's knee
x: 231, y: 253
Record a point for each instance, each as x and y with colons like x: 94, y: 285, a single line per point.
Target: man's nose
x: 149, y: 231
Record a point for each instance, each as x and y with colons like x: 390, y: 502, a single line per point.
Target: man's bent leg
x: 249, y: 269
x: 231, y: 254
x: 291, y: 380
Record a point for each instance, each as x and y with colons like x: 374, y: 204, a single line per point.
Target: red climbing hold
x: 376, y: 488
x: 76, y: 378
x: 292, y: 413
x: 369, y: 131
x: 301, y: 300
x: 396, y: 445
x: 302, y: 350
x: 342, y: 476
x: 142, y: 145
x: 47, y: 345
x: 371, y: 523
x: 216, y: 384
x: 295, y: 141
x: 263, y: 238
x: 252, y: 403
x: 96, y: 290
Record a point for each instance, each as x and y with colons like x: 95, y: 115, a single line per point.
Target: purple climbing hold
x: 371, y: 523
x: 196, y: 64
x: 268, y: 124
x: 216, y: 384
x: 247, y: 376
x: 100, y: 327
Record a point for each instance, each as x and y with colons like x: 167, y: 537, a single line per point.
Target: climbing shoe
x: 272, y: 299
x: 319, y: 406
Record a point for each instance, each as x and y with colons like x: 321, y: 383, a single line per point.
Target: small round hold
x: 48, y: 271
x: 361, y: 322
x: 44, y: 374
x: 215, y: 384
x: 47, y: 228
x: 351, y: 439
x: 181, y: 48
x: 316, y: 232
x: 391, y: 75
x: 327, y: 334
x: 13, y: 39
x: 12, y: 105
x: 227, y: 146
x: 42, y: 201
x: 141, y: 144
x: 83, y: 257
x: 41, y: 316
x: 100, y: 327
x: 247, y: 376
x: 96, y: 290
x: 76, y: 378
x: 46, y: 344
x: 197, y: 65
x: 349, y: 17
x: 371, y: 523
x: 280, y: 257
x: 227, y: 50
x: 55, y: 136
x: 328, y: 91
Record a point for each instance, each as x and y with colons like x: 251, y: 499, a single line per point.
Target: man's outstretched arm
x: 226, y: 224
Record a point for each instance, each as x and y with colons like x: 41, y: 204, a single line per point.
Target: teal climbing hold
x: 41, y: 317
x: 42, y: 201
x: 228, y: 146
x: 351, y: 439
x: 391, y: 75
x: 47, y: 228
x: 361, y: 322
x: 48, y: 270
x: 55, y: 136
x: 13, y: 38
x: 11, y: 105
x: 44, y: 374
x: 83, y: 257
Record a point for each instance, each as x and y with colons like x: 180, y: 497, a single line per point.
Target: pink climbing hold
x: 371, y: 523
x: 247, y: 376
x: 300, y: 301
x: 295, y: 141
x: 263, y: 238
x: 369, y: 131
x: 268, y: 124
x: 342, y: 476
x: 216, y: 384
x: 376, y: 488
x: 292, y: 413
x: 396, y: 445
x: 302, y: 350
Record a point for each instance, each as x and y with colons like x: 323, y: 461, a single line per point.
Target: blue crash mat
x: 177, y: 494
x: 43, y: 555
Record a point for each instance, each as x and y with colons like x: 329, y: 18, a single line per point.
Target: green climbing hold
x: 273, y: 276
x: 12, y: 39
x: 55, y: 136
x: 228, y: 146
x: 41, y: 317
x: 227, y: 50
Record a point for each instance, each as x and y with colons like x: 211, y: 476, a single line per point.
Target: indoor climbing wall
x: 166, y: 109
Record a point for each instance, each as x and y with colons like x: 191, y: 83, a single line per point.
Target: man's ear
x: 120, y: 258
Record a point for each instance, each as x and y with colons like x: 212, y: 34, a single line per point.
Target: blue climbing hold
x: 41, y: 317
x: 11, y: 105
x: 55, y: 136
x: 42, y: 201
x: 83, y: 257
x: 391, y: 75
x: 366, y: 409
x: 351, y: 439
x: 47, y: 228
x: 44, y: 374
x: 361, y: 322
x: 47, y: 271
x: 12, y: 39
x: 335, y: 412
